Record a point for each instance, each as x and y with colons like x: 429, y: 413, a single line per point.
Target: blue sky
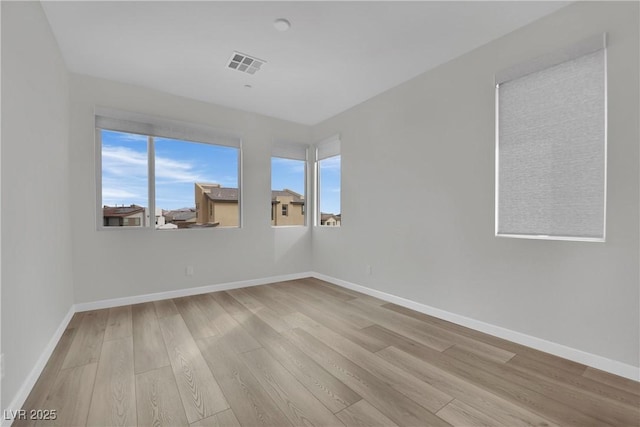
x: 124, y: 169
x: 287, y: 173
x: 329, y: 176
x: 180, y: 164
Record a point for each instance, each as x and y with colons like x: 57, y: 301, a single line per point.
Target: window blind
x: 124, y: 121
x: 328, y: 148
x: 551, y: 145
x: 289, y: 150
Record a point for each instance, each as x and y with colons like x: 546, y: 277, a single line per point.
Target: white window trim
x: 142, y: 124
x: 129, y: 122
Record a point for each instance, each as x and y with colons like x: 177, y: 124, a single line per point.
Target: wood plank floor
x: 308, y: 353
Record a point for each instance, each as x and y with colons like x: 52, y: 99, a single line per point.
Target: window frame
x: 170, y: 129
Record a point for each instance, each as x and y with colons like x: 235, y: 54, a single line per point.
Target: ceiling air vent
x: 245, y: 63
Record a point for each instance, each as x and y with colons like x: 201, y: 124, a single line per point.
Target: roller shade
x: 123, y: 121
x: 328, y: 148
x: 551, y: 145
x: 289, y: 150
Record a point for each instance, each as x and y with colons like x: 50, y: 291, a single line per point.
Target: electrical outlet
x: 369, y: 270
x: 189, y: 270
x: 1, y: 365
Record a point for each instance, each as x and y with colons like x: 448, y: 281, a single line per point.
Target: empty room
x: 322, y: 213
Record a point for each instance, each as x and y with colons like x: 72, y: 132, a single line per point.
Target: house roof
x: 183, y: 215
x: 221, y: 194
x: 326, y: 216
x: 297, y: 198
x: 169, y: 211
x: 121, y: 211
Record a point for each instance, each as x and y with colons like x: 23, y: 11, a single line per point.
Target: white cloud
x: 125, y: 162
x: 288, y: 165
x: 131, y: 137
x: 125, y: 177
x: 117, y: 193
x: 122, y: 161
x: 176, y: 171
x: 121, y: 191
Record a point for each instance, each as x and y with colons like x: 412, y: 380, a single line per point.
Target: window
x: 328, y: 183
x: 551, y: 145
x: 162, y: 174
x: 288, y: 184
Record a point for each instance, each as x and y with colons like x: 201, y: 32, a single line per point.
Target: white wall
x: 2, y: 361
x: 427, y: 146
x: 120, y: 263
x: 37, y: 288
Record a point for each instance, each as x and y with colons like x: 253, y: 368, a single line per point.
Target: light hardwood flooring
x: 308, y: 353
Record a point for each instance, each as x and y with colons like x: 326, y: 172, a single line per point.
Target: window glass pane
x: 124, y: 179
x: 329, y: 191
x: 196, y: 185
x: 287, y: 191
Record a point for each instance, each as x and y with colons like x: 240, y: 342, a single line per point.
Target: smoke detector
x: 245, y: 63
x: 281, y: 24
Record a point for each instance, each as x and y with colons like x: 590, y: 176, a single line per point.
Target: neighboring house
x: 287, y: 207
x: 181, y: 218
x: 216, y: 206
x: 330, y: 219
x: 124, y: 216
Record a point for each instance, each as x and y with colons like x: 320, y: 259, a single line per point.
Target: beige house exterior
x: 330, y: 220
x: 217, y: 206
x: 287, y: 208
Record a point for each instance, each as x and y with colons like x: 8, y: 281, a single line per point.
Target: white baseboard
x: 25, y: 389
x: 589, y: 359
x: 137, y: 299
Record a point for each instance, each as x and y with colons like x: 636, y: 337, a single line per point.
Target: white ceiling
x: 336, y: 54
